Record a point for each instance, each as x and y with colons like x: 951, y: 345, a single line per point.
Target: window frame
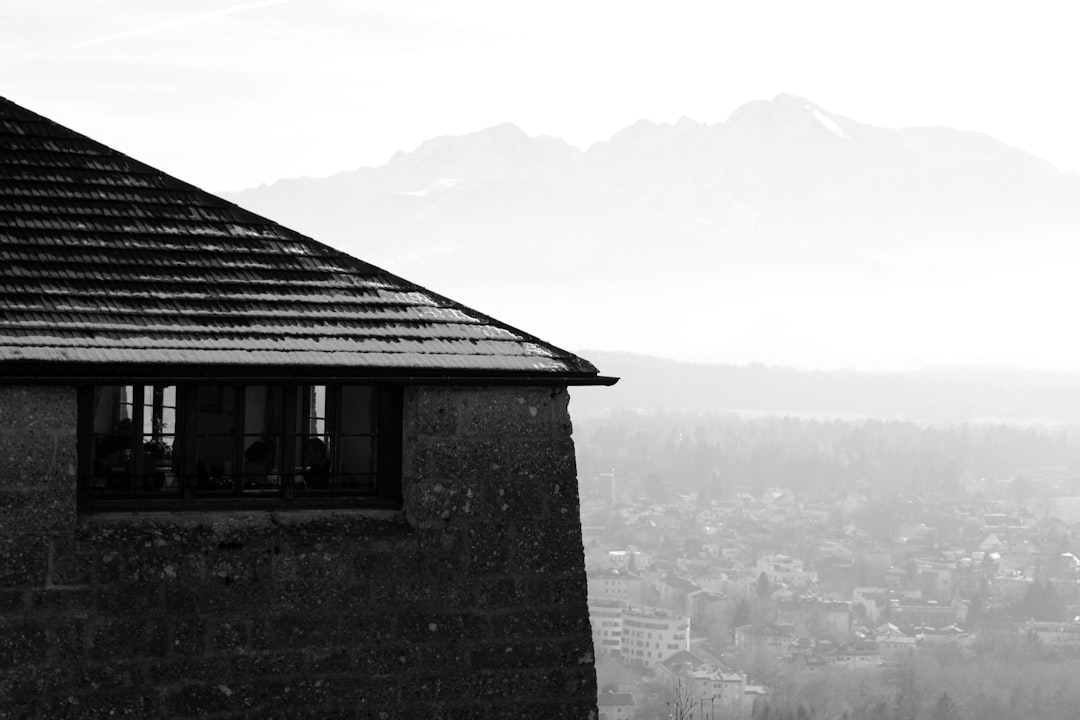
x: 387, y: 406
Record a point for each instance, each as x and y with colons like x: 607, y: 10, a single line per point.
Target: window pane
x: 112, y: 441
x: 261, y: 463
x: 316, y: 411
x: 264, y: 425
x: 314, y: 457
x: 214, y: 462
x: 215, y: 446
x: 262, y: 410
x: 159, y: 464
x: 217, y: 409
x: 357, y: 455
x: 159, y: 409
x: 357, y: 410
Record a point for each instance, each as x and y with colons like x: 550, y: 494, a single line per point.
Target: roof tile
x: 105, y: 260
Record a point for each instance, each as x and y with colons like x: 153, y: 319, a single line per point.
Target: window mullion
x: 187, y: 435
x: 239, y: 426
x: 157, y: 419
x: 330, y: 429
x: 137, y: 456
x: 289, y: 438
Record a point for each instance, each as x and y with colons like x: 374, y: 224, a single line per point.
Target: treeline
x: 662, y: 453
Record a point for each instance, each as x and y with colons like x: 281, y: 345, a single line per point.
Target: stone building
x: 243, y: 474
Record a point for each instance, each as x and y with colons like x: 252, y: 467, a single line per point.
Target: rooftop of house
x: 106, y: 261
x: 683, y: 658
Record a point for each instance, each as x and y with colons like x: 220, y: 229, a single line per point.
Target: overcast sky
x: 229, y: 95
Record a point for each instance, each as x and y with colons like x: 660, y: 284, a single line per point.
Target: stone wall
x: 469, y: 604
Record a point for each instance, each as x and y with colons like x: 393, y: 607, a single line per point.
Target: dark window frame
x: 387, y: 406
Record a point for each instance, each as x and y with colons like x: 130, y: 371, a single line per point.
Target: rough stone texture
x: 469, y: 603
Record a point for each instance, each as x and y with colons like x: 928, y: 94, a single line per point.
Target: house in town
x: 616, y: 706
x: 242, y: 472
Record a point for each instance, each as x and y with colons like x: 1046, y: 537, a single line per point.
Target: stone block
x: 191, y: 669
x: 330, y: 662
x: 12, y: 602
x: 226, y: 597
x: 514, y: 498
x: 26, y: 459
x: 445, y: 500
x: 63, y: 600
x: 507, y: 412
x: 186, y: 600
x: 545, y: 463
x: 454, y: 461
x: 555, y: 623
x: 515, y: 655
x: 431, y: 411
x: 267, y: 664
x: 127, y: 637
x: 490, y: 550
x: 102, y: 705
x: 131, y: 598
x: 38, y: 409
x: 73, y: 563
x: 567, y: 589
x: 548, y: 549
x: 37, y: 510
x: 22, y: 642
x: 577, y: 651
x: 382, y: 658
x: 187, y: 636
x: 493, y: 593
x: 491, y: 685
x: 420, y: 626
x: 24, y: 561
x: 202, y: 699
x: 23, y: 686
x: 317, y: 567
x: 451, y: 684
x: 67, y: 639
x: 364, y: 627
x: 548, y: 709
x: 227, y: 636
x: 118, y: 675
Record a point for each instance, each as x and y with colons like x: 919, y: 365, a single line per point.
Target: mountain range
x: 764, y: 237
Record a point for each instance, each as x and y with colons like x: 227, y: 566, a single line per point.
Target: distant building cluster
x: 771, y: 581
x: 636, y: 634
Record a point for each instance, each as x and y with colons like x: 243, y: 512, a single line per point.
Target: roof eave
x: 14, y: 373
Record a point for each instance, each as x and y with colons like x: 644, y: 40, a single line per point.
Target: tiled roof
x: 105, y: 260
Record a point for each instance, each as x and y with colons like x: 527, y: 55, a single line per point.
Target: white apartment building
x: 605, y: 616
x: 651, y: 635
x: 784, y: 569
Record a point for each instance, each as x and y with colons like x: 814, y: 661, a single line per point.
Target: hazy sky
x: 232, y: 94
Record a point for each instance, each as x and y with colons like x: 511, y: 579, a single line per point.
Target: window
x: 163, y: 444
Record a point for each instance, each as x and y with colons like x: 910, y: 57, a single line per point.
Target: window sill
x: 178, y: 506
